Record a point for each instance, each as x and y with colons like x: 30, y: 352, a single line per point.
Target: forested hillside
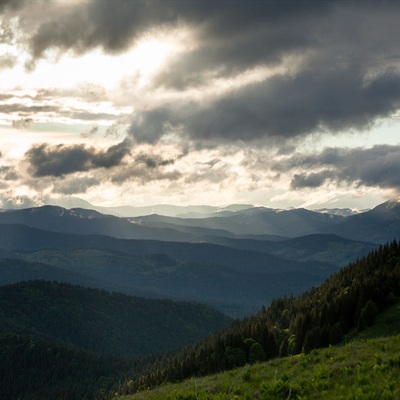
x: 59, y: 341
x: 103, y: 322
x: 36, y: 369
x: 349, y: 300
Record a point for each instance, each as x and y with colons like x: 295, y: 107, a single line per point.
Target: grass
x: 367, y: 368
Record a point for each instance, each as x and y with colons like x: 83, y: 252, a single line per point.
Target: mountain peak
x: 390, y: 205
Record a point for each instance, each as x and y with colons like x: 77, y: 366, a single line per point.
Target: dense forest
x: 104, y: 322
x: 36, y: 369
x: 60, y: 341
x: 347, y: 301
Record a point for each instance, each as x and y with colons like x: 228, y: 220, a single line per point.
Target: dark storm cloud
x: 280, y: 107
x: 113, y: 25
x: 378, y: 166
x: 60, y: 160
x: 236, y: 38
x: 347, y: 76
x: 311, y: 180
x: 113, y: 156
x: 108, y: 24
x: 151, y: 125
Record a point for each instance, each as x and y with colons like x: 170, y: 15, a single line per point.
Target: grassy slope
x: 367, y: 367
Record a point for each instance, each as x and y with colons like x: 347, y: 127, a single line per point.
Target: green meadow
x: 366, y: 366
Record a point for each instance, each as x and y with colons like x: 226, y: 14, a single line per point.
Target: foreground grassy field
x: 367, y: 367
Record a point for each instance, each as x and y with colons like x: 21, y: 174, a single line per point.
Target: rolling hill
x: 238, y: 282
x: 103, y: 322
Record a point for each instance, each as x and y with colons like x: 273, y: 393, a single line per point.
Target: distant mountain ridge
x: 258, y: 221
x: 189, y: 211
x: 233, y: 280
x: 236, y: 261
x: 378, y: 225
x: 192, y: 211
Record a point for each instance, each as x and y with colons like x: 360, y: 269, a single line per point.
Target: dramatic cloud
x: 228, y: 99
x: 311, y: 180
x: 62, y: 160
x: 280, y: 107
x: 99, y: 23
x: 378, y: 166
x: 346, y: 75
x: 146, y: 167
x: 113, y: 27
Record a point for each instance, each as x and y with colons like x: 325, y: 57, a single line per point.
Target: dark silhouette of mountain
x: 254, y: 221
x: 259, y: 221
x: 379, y: 225
x: 82, y: 221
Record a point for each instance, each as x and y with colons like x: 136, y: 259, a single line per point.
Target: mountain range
x: 162, y: 222
x: 236, y: 260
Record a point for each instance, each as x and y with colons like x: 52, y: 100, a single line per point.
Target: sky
x: 283, y: 103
